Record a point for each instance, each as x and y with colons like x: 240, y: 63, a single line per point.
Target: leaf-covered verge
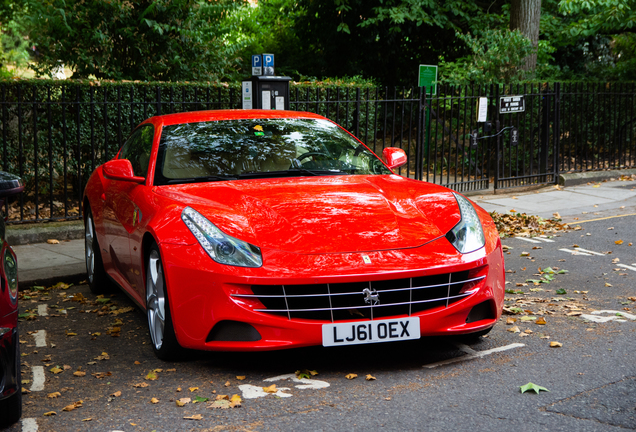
x: 524, y: 225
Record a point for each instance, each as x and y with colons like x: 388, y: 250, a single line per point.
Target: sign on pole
x: 428, y: 78
x: 268, y: 64
x: 511, y: 104
x: 247, y: 95
x: 257, y: 64
x: 482, y: 109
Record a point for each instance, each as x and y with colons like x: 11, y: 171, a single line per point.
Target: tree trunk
x: 525, y: 15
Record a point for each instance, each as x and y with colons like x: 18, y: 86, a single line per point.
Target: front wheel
x: 164, y: 340
x: 97, y: 278
x: 11, y: 407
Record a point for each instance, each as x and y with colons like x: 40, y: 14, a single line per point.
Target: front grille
x: 346, y: 301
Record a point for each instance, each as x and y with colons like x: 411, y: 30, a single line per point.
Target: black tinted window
x: 137, y: 149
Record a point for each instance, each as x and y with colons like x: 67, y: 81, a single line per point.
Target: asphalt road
x: 433, y: 384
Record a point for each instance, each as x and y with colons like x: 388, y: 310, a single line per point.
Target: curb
x: 41, y: 232
x: 573, y: 179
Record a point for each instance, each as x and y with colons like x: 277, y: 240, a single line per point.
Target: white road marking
x: 529, y: 240
x: 478, y: 354
x: 628, y: 267
x: 38, y: 378
x: 305, y: 383
x: 40, y: 338
x: 589, y: 251
x: 617, y: 316
x: 29, y: 425
x: 43, y: 310
x: 547, y: 240
x: 252, y: 392
x: 575, y: 252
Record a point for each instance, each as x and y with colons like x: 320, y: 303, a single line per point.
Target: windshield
x: 233, y: 149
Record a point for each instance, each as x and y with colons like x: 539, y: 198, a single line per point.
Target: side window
x: 137, y: 149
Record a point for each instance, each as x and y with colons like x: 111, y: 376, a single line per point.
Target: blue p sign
x: 268, y: 59
x: 256, y: 61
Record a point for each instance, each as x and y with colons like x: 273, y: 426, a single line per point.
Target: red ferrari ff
x: 247, y: 230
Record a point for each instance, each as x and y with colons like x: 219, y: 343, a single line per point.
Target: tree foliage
x: 134, y: 39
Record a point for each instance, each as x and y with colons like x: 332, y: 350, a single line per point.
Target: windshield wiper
x: 200, y: 179
x: 289, y: 173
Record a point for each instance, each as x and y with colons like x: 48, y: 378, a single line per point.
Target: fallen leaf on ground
x: 50, y: 413
x: 351, y: 376
x: 240, y: 377
x: 116, y: 394
x: 54, y: 395
x: 151, y: 376
x: 270, y: 389
x: 56, y: 370
x: 193, y: 389
x: 183, y: 401
x: 142, y: 384
x: 235, y: 401
x: 370, y: 377
x: 540, y: 321
x: 514, y: 329
x: 72, y: 406
x: 154, y: 400
x: 511, y: 320
x: 194, y: 417
x: 555, y: 344
x: 619, y: 242
x: 532, y: 387
x: 227, y: 384
x: 53, y: 241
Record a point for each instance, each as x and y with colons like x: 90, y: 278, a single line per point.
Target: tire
x: 11, y: 407
x: 98, y: 280
x: 162, y: 335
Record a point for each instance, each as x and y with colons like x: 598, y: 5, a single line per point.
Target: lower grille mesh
x: 346, y: 301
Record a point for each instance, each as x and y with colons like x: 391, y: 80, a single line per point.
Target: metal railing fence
x: 55, y: 133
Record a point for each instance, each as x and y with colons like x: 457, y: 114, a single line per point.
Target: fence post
x: 545, y: 134
x: 498, y: 153
x: 419, y: 171
x: 557, y: 132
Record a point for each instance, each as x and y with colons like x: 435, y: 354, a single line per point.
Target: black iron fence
x: 54, y: 134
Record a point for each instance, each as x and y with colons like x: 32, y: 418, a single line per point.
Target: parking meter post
x: 497, y: 138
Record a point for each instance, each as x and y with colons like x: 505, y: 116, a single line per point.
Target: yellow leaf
x: 194, y: 417
x: 270, y: 389
x: 235, y: 401
x: 540, y: 321
x: 511, y: 320
x: 54, y: 395
x: 116, y: 394
x: 154, y: 400
x: 514, y: 329
x: 56, y: 370
x: 224, y: 397
x: 351, y: 376
x: 181, y: 402
x: 143, y: 384
x: 50, y: 413
x: 88, y: 419
x: 227, y: 384
x: 555, y: 344
x: 619, y: 242
x: 53, y: 241
x: 193, y: 389
x: 608, y: 284
x: 137, y: 362
x: 79, y: 373
x: 151, y: 376
x: 240, y: 377
x: 370, y: 377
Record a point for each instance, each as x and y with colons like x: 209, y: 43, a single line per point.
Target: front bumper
x: 202, y: 294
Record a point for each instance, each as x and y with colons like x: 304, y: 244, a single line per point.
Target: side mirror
x: 394, y: 157
x: 121, y: 169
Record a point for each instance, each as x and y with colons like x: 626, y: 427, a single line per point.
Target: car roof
x: 237, y: 114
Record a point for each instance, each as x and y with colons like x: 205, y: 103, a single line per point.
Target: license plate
x: 363, y: 332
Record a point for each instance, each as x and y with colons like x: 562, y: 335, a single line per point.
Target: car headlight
x: 221, y: 247
x: 468, y: 235
x: 11, y: 273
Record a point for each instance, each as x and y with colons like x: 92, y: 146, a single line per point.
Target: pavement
x: 43, y: 263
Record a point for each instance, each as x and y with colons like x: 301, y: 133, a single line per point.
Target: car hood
x: 331, y: 214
